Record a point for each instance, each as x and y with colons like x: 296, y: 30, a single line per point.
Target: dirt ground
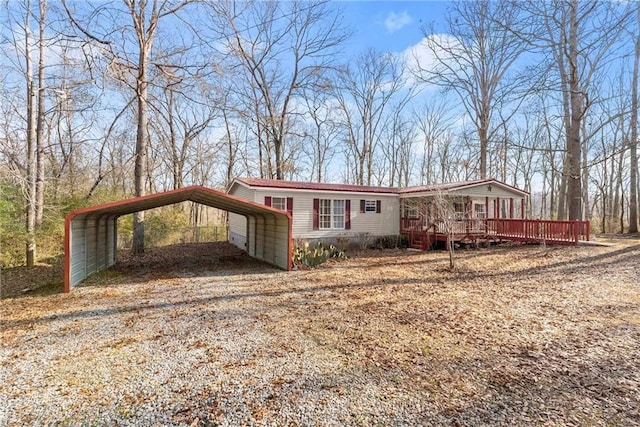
x: 201, y: 335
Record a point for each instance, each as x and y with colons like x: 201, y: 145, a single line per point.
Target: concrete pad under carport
x: 90, y: 233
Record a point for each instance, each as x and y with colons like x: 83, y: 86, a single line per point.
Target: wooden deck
x: 474, y: 231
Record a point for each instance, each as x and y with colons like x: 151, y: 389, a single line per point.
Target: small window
x: 279, y: 203
x: 370, y: 206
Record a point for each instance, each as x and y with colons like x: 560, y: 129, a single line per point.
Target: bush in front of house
x: 312, y: 256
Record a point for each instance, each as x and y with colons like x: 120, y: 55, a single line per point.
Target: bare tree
x: 433, y: 121
x: 397, y: 150
x: 365, y: 90
x: 32, y: 119
x: 580, y: 38
x: 31, y: 142
x: 473, y: 60
x: 322, y: 130
x: 184, y: 119
x: 446, y: 221
x: 633, y: 140
x: 128, y: 51
x: 260, y: 38
x: 40, y: 115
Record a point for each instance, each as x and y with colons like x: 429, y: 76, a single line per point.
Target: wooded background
x: 102, y: 101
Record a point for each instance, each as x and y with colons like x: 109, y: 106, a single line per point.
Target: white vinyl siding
x: 482, y: 190
x: 387, y: 222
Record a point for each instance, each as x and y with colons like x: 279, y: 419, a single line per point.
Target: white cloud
x: 396, y: 21
x: 421, y: 56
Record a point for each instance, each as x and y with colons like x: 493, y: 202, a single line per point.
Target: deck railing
x: 407, y: 224
x: 527, y: 230
x: 539, y: 230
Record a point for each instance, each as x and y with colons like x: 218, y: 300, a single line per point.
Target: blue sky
x: 390, y: 25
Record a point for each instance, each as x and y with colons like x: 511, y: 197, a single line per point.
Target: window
x: 505, y: 209
x: 282, y: 203
x: 279, y: 203
x: 410, y: 210
x: 479, y: 211
x: 370, y: 206
x: 458, y: 210
x: 331, y: 214
x: 325, y: 213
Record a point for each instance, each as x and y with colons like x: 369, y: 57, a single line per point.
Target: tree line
x: 116, y: 99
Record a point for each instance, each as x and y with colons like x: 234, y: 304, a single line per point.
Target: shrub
x: 364, y: 240
x: 387, y: 242
x: 12, y: 230
x: 313, y: 256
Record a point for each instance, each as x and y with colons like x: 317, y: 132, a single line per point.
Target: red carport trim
x: 290, y: 251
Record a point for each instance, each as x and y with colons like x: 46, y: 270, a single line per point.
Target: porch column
x: 486, y: 207
x: 511, y: 207
x: 498, y: 207
x: 469, y: 208
x: 522, y: 208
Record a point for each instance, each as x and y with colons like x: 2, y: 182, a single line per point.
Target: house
x: 321, y: 212
x: 327, y: 212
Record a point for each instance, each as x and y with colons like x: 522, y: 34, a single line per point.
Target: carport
x: 90, y: 234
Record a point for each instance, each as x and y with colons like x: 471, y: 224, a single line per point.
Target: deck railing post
x: 587, y: 231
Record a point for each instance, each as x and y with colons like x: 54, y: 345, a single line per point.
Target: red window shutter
x: 290, y: 205
x: 362, y: 206
x: 316, y: 214
x: 347, y: 214
x: 267, y: 200
x: 378, y: 206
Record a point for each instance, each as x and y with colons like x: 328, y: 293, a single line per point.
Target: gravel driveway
x: 515, y: 336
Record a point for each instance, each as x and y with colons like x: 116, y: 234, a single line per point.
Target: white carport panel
x: 78, y: 257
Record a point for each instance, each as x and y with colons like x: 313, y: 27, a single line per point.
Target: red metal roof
x: 317, y: 186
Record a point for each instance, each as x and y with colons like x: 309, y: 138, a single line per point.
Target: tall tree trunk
x: 618, y: 200
x: 142, y: 137
x: 574, y: 146
x: 231, y: 147
x: 633, y: 185
x: 31, y: 145
x: 484, y: 146
x: 40, y: 119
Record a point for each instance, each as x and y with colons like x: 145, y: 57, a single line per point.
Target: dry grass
x: 516, y: 335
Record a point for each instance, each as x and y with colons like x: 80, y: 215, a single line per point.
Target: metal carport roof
x: 90, y: 233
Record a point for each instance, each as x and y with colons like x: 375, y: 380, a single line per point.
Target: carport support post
x: 248, y: 239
